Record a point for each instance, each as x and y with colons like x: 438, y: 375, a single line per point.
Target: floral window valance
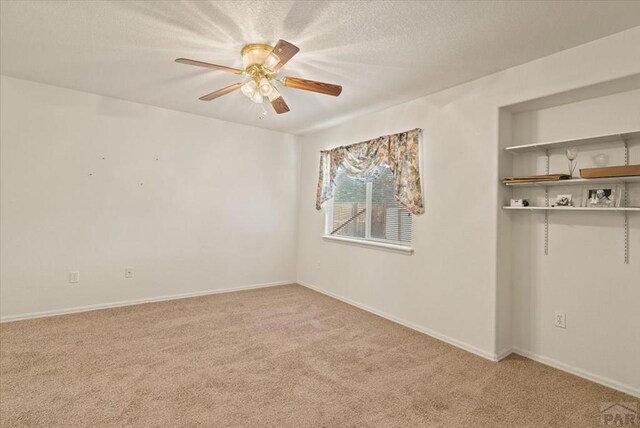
x: 365, y: 162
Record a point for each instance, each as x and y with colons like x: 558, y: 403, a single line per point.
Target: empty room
x: 319, y: 214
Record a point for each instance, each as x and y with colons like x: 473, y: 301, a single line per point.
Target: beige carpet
x: 275, y: 357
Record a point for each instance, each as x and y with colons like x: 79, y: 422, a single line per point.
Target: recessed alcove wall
x: 584, y: 274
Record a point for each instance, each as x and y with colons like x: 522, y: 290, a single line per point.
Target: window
x: 368, y: 211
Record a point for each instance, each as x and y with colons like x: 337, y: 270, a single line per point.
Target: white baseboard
x: 503, y: 354
x: 428, y: 332
x: 87, y: 308
x: 627, y: 389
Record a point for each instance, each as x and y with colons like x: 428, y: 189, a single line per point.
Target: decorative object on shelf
x: 572, y: 154
x: 611, y: 171
x: 563, y: 201
x: 535, y: 178
x: 601, y: 160
x: 519, y: 203
x: 602, y: 197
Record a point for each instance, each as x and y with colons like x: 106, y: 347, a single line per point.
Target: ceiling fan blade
x: 221, y: 92
x: 210, y: 66
x: 279, y: 105
x: 284, y: 51
x: 313, y: 86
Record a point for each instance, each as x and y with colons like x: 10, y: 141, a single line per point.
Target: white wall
x: 456, y: 286
x: 452, y: 267
x: 215, y: 211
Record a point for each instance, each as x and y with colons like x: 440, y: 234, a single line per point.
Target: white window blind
x: 368, y: 211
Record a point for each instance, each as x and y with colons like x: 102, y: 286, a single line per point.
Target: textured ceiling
x: 382, y: 53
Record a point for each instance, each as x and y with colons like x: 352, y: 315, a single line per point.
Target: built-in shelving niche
x: 534, y: 134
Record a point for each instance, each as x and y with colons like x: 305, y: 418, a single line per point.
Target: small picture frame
x: 603, y: 196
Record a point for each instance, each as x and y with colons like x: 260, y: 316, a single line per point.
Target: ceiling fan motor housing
x: 259, y: 60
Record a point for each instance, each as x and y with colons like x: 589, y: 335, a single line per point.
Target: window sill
x: 374, y: 244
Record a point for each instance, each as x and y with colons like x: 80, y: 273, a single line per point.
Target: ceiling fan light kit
x: 265, y: 87
x: 249, y: 88
x: 261, y: 64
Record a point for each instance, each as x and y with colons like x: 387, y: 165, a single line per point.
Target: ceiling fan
x: 262, y: 64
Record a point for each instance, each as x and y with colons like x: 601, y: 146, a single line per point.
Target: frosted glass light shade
x: 271, y: 61
x: 257, y: 97
x: 249, y: 88
x: 265, y: 87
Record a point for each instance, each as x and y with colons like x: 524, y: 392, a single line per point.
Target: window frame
x: 367, y: 241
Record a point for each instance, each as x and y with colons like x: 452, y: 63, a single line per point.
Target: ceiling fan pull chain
x: 264, y: 111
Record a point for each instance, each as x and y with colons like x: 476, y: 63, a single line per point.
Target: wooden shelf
x: 577, y: 181
x: 575, y: 142
x: 572, y: 208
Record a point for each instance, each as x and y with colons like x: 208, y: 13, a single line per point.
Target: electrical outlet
x: 128, y: 272
x: 74, y: 276
x: 560, y: 320
x: 317, y: 264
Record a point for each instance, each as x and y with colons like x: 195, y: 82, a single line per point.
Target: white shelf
x: 577, y: 181
x: 609, y: 138
x: 620, y: 137
x: 572, y: 208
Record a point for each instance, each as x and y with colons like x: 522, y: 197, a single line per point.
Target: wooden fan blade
x: 311, y: 85
x: 210, y: 66
x: 221, y: 92
x: 279, y: 105
x: 285, y: 51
